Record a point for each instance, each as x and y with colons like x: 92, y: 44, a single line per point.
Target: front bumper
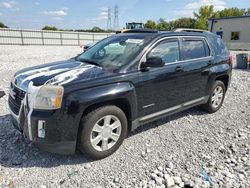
x: 58, y: 137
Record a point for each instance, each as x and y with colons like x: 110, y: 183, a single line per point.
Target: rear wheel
x: 216, y: 98
x: 102, y: 131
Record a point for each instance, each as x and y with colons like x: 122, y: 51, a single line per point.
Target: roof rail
x: 141, y: 31
x: 189, y: 30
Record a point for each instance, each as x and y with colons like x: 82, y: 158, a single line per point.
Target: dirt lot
x: 191, y: 148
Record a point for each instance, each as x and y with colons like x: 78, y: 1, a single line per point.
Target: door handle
x: 178, y: 69
x: 209, y: 62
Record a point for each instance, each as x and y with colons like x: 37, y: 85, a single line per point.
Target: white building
x: 235, y: 31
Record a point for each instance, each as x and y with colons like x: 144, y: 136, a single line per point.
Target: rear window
x: 222, y: 49
x: 193, y: 49
x: 219, y: 47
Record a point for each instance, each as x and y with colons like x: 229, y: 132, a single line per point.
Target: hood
x: 58, y: 73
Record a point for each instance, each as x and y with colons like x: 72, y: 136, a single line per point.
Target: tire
x: 95, y: 139
x: 211, y: 106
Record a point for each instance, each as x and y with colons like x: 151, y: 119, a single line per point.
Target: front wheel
x: 102, y: 131
x: 216, y: 98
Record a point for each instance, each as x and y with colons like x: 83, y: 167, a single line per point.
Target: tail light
x: 230, y: 58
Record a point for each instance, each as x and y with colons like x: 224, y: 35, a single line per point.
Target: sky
x: 85, y: 14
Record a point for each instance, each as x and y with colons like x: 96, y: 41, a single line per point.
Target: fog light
x: 41, y: 128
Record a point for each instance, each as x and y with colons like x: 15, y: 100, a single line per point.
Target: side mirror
x: 153, y: 62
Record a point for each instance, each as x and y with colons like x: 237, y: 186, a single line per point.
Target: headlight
x: 49, y: 97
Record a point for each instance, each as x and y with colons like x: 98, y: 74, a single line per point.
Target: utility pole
x: 109, y: 24
x: 116, y: 19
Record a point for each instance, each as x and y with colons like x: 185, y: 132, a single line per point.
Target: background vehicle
x: 135, y: 25
x: 132, y: 25
x: 120, y: 83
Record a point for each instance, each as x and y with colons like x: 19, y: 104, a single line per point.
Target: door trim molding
x: 171, y: 109
x: 147, y: 106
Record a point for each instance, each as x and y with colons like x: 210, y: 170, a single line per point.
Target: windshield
x: 115, y: 51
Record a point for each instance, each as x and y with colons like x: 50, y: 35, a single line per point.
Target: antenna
x: 116, y: 19
x: 109, y: 25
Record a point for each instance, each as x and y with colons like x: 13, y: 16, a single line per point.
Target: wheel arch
x: 80, y: 102
x: 122, y: 95
x: 121, y: 103
x: 224, y: 79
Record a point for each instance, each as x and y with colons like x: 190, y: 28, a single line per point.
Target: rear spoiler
x: 2, y: 93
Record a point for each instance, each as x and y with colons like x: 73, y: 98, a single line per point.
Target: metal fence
x: 40, y: 37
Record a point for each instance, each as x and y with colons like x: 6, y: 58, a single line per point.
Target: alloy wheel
x: 217, y: 96
x: 105, y: 133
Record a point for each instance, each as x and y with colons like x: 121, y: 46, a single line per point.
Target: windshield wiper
x: 89, y: 62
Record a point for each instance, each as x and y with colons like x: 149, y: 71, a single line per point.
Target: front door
x: 161, y: 87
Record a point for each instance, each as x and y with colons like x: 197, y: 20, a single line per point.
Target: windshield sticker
x: 135, y: 41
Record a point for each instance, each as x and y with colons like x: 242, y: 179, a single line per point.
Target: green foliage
x: 204, y: 13
x: 171, y: 25
x: 151, y: 24
x: 162, y: 25
x: 50, y: 28
x: 200, y: 20
x: 184, y: 23
x: 97, y: 29
x: 94, y: 29
x: 227, y: 12
x: 2, y: 25
x: 247, y: 12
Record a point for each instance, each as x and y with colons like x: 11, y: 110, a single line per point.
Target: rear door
x: 196, y: 57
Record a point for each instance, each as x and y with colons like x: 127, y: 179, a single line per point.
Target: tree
x: 162, y: 25
x: 204, y: 13
x: 150, y: 24
x: 184, y: 23
x: 227, y: 12
x: 247, y: 12
x: 171, y: 25
x: 50, y: 28
x: 97, y: 29
x: 2, y: 25
x: 200, y: 21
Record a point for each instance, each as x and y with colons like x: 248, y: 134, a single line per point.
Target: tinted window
x: 222, y: 48
x: 168, y: 51
x: 235, y: 35
x: 218, y: 45
x: 192, y: 49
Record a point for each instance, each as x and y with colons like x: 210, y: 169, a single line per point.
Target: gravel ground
x: 188, y: 149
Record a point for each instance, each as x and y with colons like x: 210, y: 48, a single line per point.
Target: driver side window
x: 168, y: 51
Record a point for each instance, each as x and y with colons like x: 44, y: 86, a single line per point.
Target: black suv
x: 93, y: 100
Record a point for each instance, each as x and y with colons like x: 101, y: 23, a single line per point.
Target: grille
x: 15, y: 103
